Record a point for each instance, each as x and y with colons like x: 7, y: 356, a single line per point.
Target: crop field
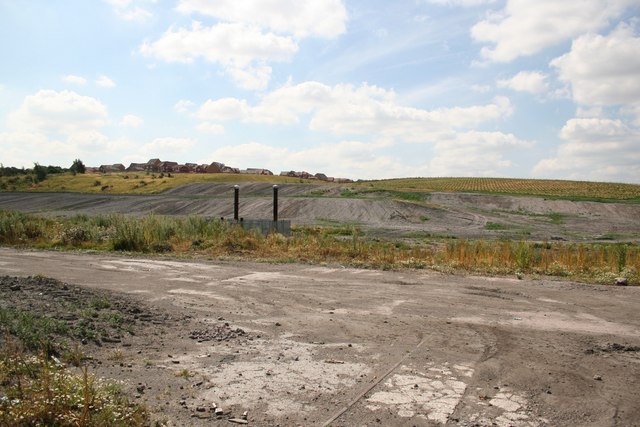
x: 572, y: 190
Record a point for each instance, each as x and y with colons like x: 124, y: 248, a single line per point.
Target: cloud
x: 319, y: 18
x: 525, y: 27
x: 166, y: 148
x: 223, y: 109
x: 57, y: 126
x: 242, y: 50
x: 603, y: 70
x: 132, y: 121
x: 104, y: 81
x: 212, y: 128
x: 526, y: 81
x: 474, y: 154
x: 126, y: 10
x: 600, y: 149
x: 183, y: 105
x: 464, y: 3
x: 76, y: 80
x: 63, y: 112
x: 352, y: 110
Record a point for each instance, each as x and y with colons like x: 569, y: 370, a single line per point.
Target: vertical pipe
x: 236, y: 202
x: 275, y: 203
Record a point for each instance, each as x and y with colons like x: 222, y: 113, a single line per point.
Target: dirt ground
x: 317, y: 346
x: 440, y: 215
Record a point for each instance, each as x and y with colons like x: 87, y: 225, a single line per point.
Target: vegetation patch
x: 337, y: 243
x: 43, y: 377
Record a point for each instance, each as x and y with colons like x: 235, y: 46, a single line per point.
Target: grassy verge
x: 43, y: 380
x: 201, y: 237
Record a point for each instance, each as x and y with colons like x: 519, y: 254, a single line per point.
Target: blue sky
x: 358, y: 89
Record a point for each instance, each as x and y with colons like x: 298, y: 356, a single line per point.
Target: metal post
x: 275, y: 203
x: 236, y: 202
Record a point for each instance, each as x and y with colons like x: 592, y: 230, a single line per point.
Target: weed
x: 184, y: 373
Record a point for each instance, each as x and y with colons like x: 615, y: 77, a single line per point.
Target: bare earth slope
x: 439, y: 214
x: 345, y: 347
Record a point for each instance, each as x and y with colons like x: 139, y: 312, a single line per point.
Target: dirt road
x: 345, y: 347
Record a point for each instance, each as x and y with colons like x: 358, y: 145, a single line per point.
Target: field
x: 143, y: 183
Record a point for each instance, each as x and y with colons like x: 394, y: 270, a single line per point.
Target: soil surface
x: 306, y: 345
x: 437, y: 215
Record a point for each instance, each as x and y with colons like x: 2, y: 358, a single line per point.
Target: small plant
x: 184, y: 373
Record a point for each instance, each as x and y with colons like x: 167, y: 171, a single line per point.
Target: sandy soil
x: 440, y: 214
x: 333, y: 346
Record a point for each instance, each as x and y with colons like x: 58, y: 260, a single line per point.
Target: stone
x: 622, y: 281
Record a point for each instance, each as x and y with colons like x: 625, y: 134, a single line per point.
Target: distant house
x: 137, y: 167
x: 168, y: 167
x: 256, y: 171
x: 229, y: 169
x: 321, y: 177
x: 215, y: 167
x: 117, y: 167
x: 153, y: 165
x: 201, y: 168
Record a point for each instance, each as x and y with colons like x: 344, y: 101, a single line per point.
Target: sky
x: 362, y: 89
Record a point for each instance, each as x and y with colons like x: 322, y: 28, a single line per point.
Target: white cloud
x: 126, y: 10
x: 465, y: 3
x: 58, y: 127
x: 526, y: 27
x: 474, y: 154
x: 76, y: 80
x: 183, y: 105
x: 131, y: 120
x: 223, y: 109
x: 61, y: 112
x: 104, y: 81
x: 597, y: 150
x: 212, y: 128
x: 241, y: 49
x: 603, y: 70
x: 352, y: 110
x: 166, y: 148
x: 321, y: 18
x: 526, y: 81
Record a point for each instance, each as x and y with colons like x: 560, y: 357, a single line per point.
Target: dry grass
x: 200, y: 237
x: 131, y: 182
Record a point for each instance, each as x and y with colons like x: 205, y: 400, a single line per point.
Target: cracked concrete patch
x: 433, y: 394
x: 283, y: 374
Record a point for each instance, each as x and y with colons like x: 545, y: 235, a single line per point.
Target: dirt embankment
x: 438, y: 214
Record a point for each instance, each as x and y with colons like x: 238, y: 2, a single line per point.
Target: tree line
x: 40, y: 172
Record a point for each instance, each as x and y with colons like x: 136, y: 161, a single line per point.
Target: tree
x: 40, y: 171
x: 77, y: 167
